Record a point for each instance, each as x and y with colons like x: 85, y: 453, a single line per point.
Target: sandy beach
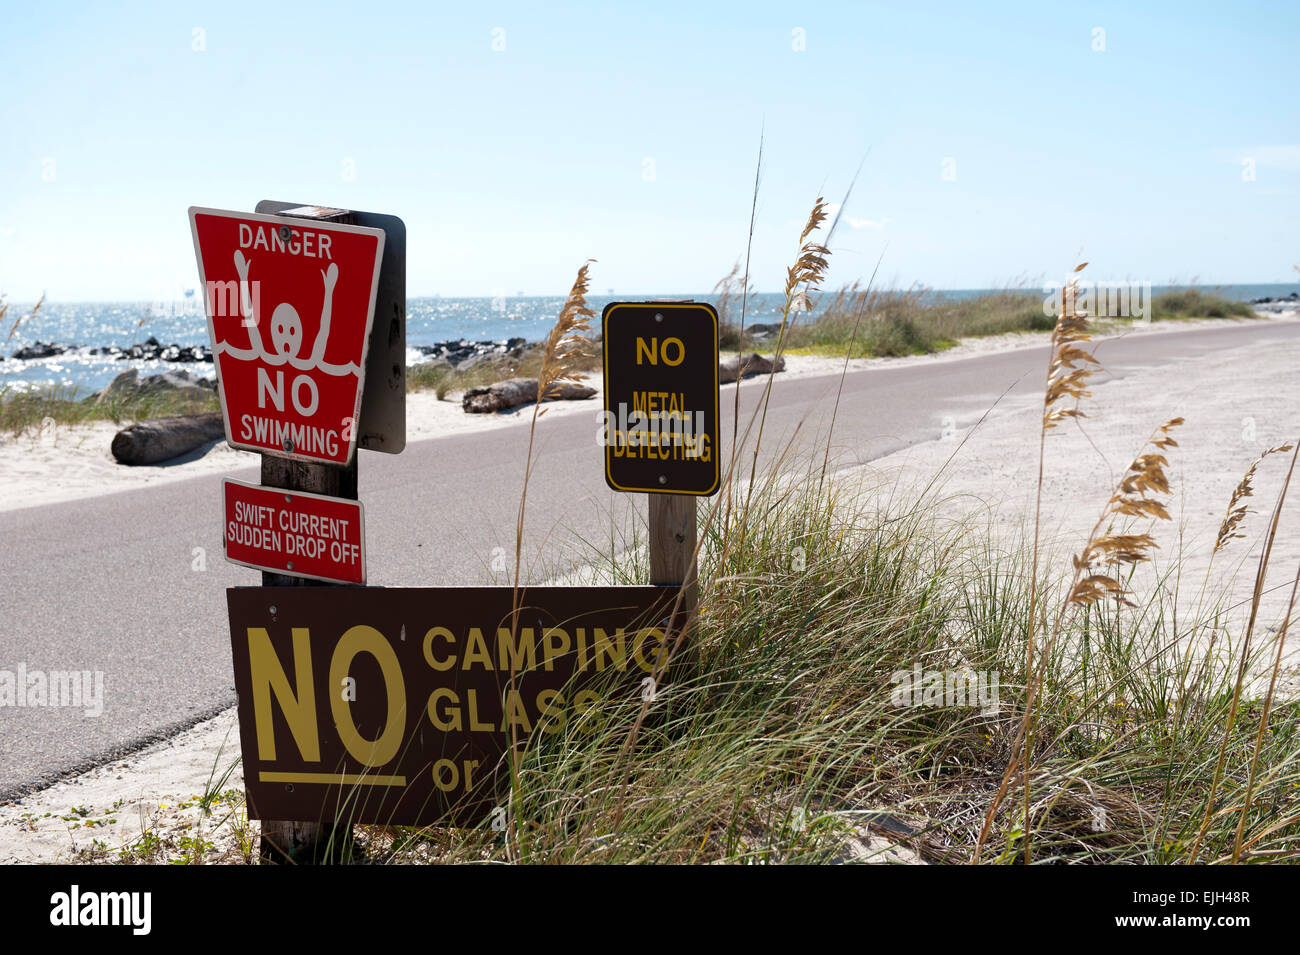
x: 1234, y: 404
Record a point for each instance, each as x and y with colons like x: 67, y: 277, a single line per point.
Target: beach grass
x: 1124, y: 728
x: 24, y: 412
x: 863, y: 322
x: 782, y: 739
x: 1199, y: 303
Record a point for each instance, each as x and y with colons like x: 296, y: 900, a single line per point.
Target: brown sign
x: 661, y: 397
x: 396, y: 706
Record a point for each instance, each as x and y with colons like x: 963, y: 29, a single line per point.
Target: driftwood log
x: 514, y: 392
x: 755, y: 364
x: 151, y: 442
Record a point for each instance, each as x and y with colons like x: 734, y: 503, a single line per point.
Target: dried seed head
x: 1237, y: 509
x: 811, y: 265
x: 815, y: 219
x: 1071, y: 366
x: 566, y: 348
x: 1132, y: 498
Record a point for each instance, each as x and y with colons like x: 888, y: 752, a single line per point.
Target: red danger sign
x: 295, y: 533
x: 290, y: 303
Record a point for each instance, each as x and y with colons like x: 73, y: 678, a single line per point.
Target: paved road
x: 112, y: 584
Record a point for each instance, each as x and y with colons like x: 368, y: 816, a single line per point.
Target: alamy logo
x: 75, y: 907
x: 963, y: 687
x: 679, y: 433
x: 1122, y: 299
x: 57, y: 688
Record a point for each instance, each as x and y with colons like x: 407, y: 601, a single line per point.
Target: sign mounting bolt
x: 663, y: 479
x: 288, y: 445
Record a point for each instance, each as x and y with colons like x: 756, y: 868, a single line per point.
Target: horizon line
x: 643, y: 296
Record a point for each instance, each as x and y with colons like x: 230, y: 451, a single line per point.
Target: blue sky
x: 628, y: 133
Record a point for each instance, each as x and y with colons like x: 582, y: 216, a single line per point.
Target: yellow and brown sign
x: 661, y: 397
x: 397, y: 706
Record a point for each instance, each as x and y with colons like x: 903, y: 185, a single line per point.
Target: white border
x: 319, y: 225
x: 361, y: 524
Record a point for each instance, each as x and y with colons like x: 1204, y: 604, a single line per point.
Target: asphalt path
x: 132, y: 584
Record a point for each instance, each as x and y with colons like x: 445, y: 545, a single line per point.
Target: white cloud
x: 855, y: 223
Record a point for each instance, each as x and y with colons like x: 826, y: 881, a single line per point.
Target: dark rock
x: 152, y: 350
x: 41, y: 350
x: 129, y: 384
x: 465, y: 354
x: 755, y: 364
x: 760, y: 331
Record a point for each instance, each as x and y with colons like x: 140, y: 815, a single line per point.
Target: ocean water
x: 89, y: 325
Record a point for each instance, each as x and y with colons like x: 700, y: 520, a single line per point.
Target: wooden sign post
x: 292, y: 386
x: 282, y: 840
x: 672, y: 545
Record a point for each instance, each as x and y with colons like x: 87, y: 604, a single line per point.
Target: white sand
x: 1236, y: 402
x: 151, y: 791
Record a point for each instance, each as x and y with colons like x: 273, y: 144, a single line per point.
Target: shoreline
x: 66, y: 463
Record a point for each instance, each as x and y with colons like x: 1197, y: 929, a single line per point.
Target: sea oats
x: 566, y: 347
x: 806, y: 273
x: 1144, y: 477
x: 1237, y: 509
x: 1070, y: 366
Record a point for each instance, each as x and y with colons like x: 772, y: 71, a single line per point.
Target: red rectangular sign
x: 294, y: 533
x: 290, y: 304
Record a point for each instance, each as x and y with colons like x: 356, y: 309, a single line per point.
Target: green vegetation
x: 887, y: 323
x: 780, y: 743
x: 1125, y: 729
x: 31, y: 412
x: 1196, y: 303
